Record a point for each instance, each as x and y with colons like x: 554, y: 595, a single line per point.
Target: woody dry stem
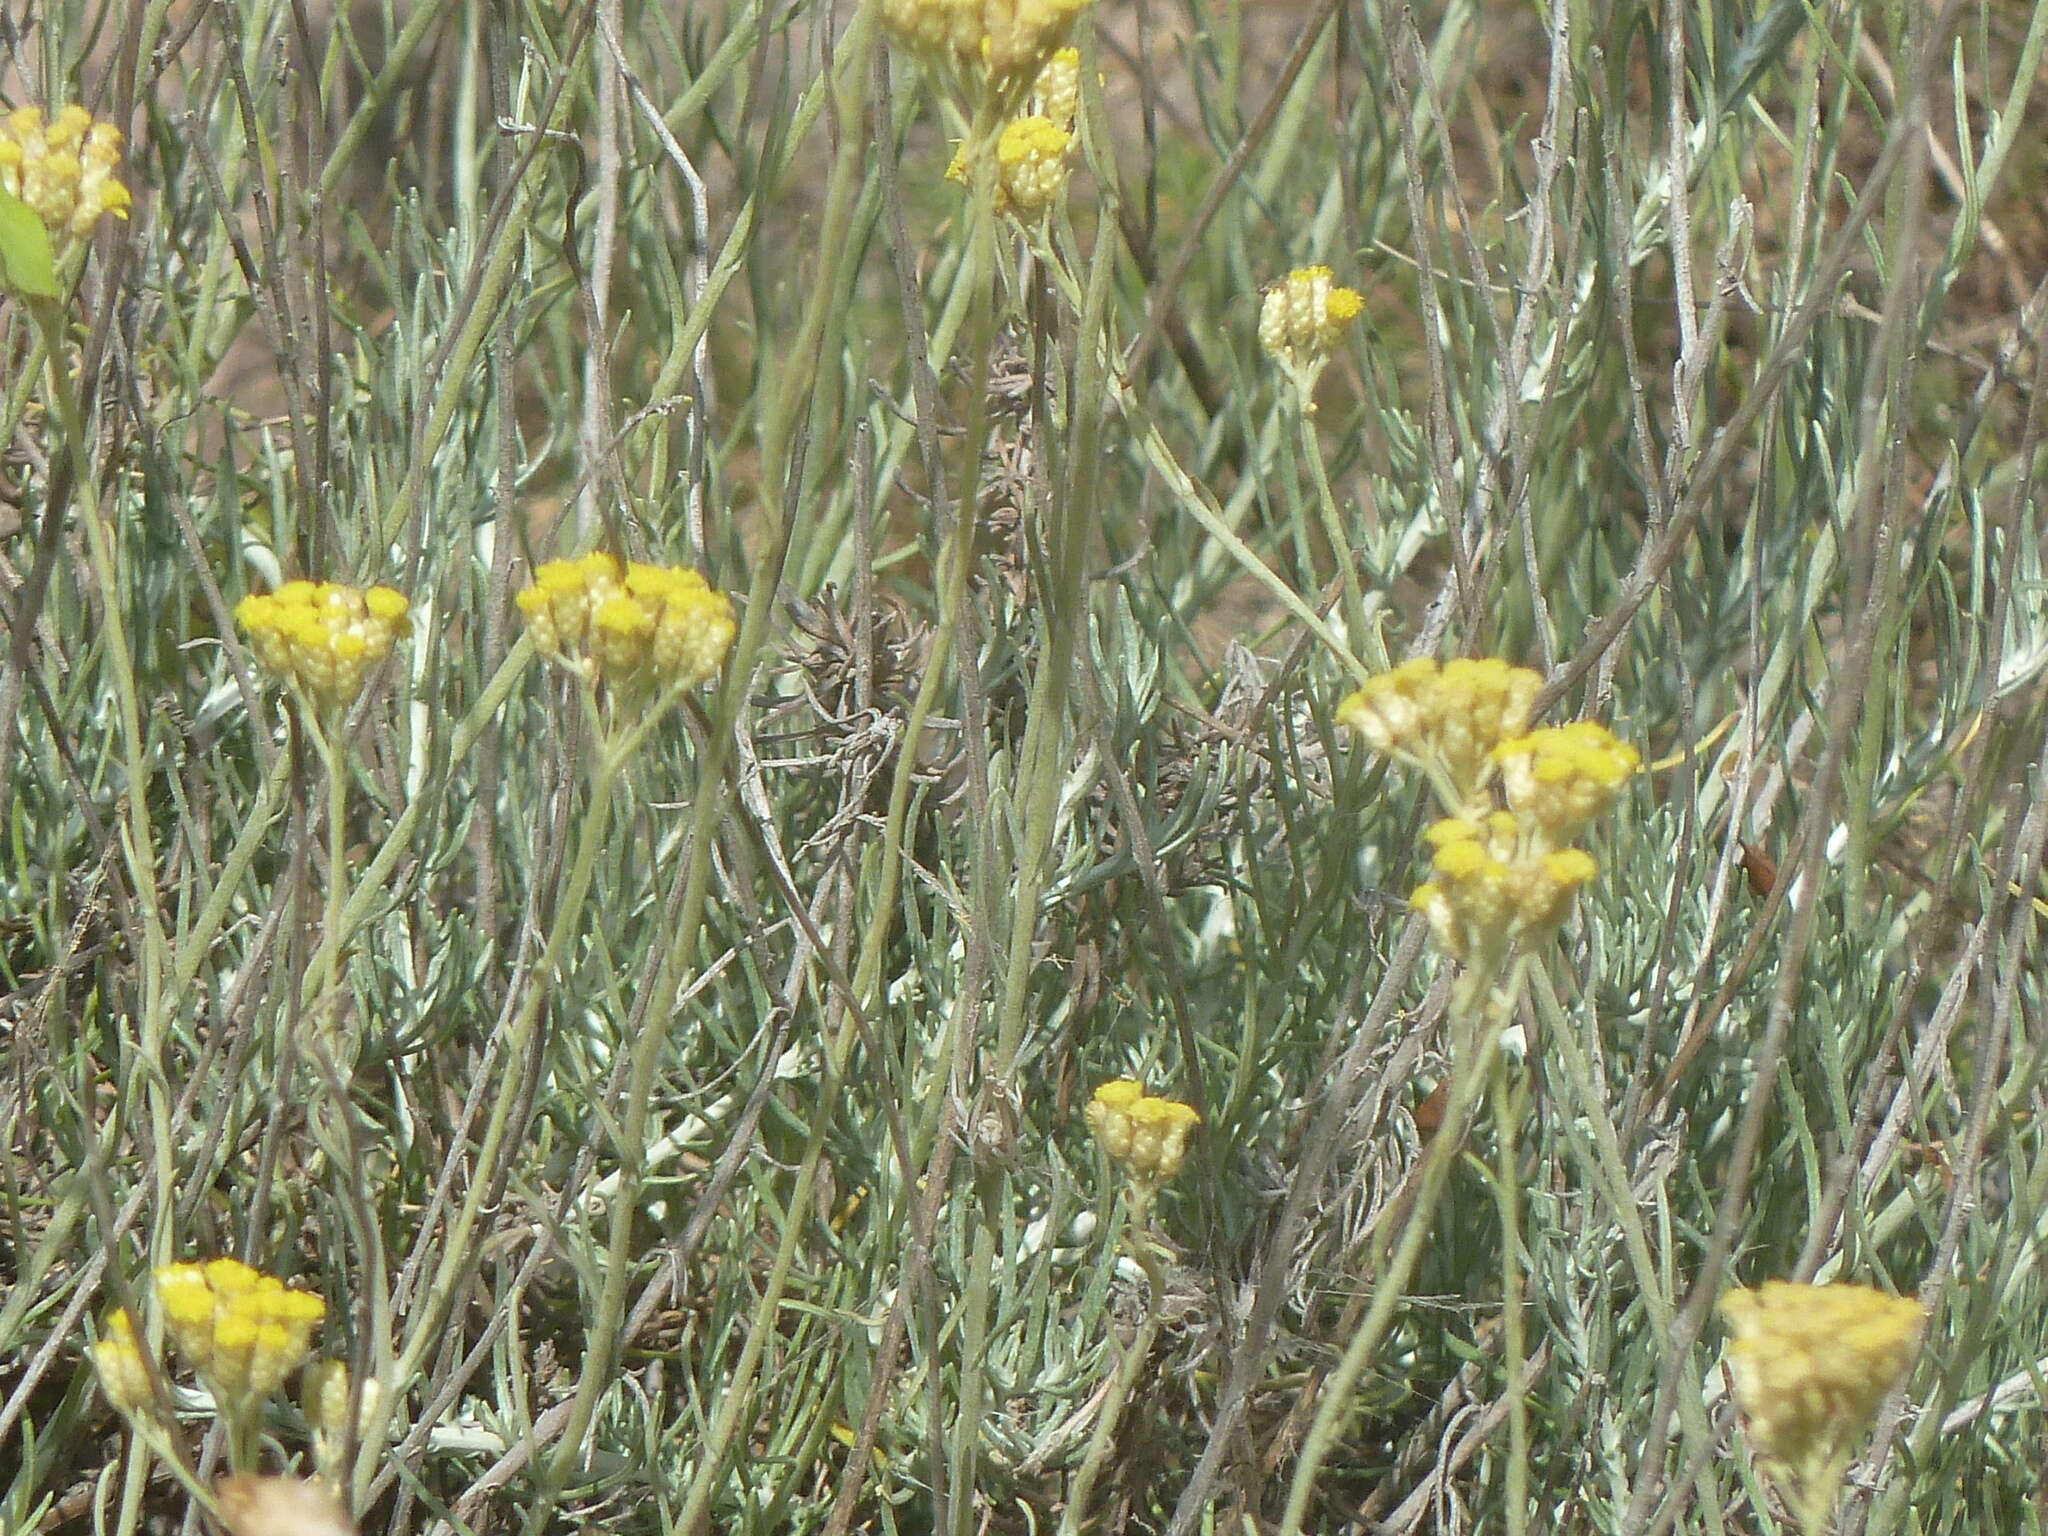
x: 138, y: 839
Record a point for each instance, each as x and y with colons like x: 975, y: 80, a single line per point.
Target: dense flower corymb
x: 1446, y: 719
x: 1811, y: 1364
x: 1031, y: 166
x: 1499, y: 877
x: 1302, y: 319
x: 1561, y: 777
x: 323, y: 636
x: 1010, y: 40
x: 241, y: 1330
x: 628, y: 626
x: 1488, y: 887
x: 1056, y: 93
x: 1147, y: 1137
x: 63, y: 171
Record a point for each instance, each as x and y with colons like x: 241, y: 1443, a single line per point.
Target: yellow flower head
x: 1056, y: 94
x: 242, y: 1331
x: 1446, y: 719
x: 1811, y: 1365
x: 1031, y: 163
x: 117, y: 1358
x: 1146, y: 1137
x: 1561, y: 777
x: 324, y: 1393
x: 1031, y: 151
x: 630, y: 627
x: 1005, y: 42
x: 1302, y: 319
x: 63, y: 170
x: 1487, y: 889
x: 322, y: 636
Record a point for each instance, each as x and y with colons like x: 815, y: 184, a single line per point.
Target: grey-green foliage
x: 1706, y: 387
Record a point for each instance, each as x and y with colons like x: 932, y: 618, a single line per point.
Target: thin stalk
x: 781, y: 451
x: 454, y: 1266
x: 337, y: 869
x: 1334, y: 530
x: 1507, y: 1118
x: 1042, y: 760
x: 139, y: 845
x: 1139, y: 1238
x: 1475, y: 1040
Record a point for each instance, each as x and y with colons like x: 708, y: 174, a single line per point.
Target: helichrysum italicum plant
x: 323, y: 638
x: 1302, y: 321
x: 241, y: 1331
x: 62, y: 170
x: 1503, y: 878
x: 1811, y: 1365
x: 635, y: 628
x: 1146, y: 1139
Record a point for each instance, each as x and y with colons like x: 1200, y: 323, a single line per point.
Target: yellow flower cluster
x: 323, y: 636
x: 637, y: 626
x: 63, y: 170
x: 1560, y: 778
x: 1145, y: 1136
x: 117, y: 1358
x: 1444, y: 719
x: 1302, y: 319
x: 1031, y: 151
x: 241, y: 1330
x: 1488, y: 887
x: 1497, y: 877
x: 1811, y: 1365
x: 1009, y: 40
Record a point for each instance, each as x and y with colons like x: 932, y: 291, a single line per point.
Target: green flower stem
x: 429, y: 1317
x: 1484, y: 1011
x: 1199, y: 503
x: 1333, y: 530
x: 151, y: 1439
x: 337, y: 866
x: 139, y: 843
x: 817, y: 338
x: 1507, y: 1120
x: 325, y: 729
x: 1138, y: 1237
x: 1042, y: 766
x: 392, y: 850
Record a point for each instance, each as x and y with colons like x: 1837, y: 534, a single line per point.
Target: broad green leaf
x: 27, y: 264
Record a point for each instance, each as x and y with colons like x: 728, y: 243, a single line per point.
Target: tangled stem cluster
x: 1811, y: 1365
x: 1498, y: 877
